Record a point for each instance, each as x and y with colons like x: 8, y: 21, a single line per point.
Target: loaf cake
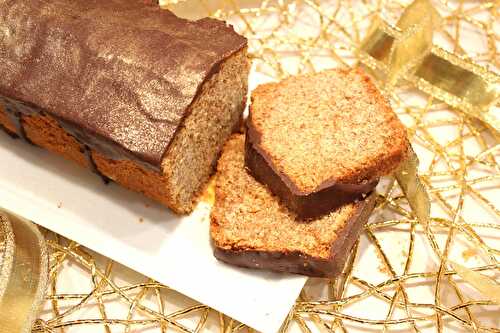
x: 138, y: 95
x: 321, y: 140
x: 251, y: 228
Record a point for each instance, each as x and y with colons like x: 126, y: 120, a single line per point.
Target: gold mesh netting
x: 412, y: 287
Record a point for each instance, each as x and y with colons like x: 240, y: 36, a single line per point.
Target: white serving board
x: 140, y: 234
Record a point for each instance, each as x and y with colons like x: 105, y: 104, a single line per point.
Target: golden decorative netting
x: 415, y: 286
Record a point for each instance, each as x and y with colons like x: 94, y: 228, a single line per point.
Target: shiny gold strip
x: 413, y: 189
x: 487, y: 286
x: 405, y: 51
x: 7, y: 252
x: 417, y: 25
x: 460, y: 84
x: 25, y: 281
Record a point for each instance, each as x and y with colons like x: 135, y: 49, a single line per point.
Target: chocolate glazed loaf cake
x: 250, y: 228
x: 321, y: 140
x: 131, y: 91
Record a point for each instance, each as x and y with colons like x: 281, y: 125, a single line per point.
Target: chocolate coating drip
x: 14, y: 110
x: 15, y: 117
x: 119, y: 75
x: 9, y: 133
x: 93, y: 165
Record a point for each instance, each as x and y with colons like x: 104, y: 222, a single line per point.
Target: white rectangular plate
x: 137, y: 233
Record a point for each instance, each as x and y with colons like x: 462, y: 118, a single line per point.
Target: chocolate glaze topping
x: 118, y: 75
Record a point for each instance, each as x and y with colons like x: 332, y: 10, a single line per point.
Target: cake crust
x: 321, y: 140
x: 250, y: 228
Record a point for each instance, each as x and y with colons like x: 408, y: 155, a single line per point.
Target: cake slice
x: 321, y: 140
x: 250, y: 228
x: 128, y: 90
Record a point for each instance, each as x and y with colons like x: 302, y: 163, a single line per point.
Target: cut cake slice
x: 321, y: 140
x: 250, y: 228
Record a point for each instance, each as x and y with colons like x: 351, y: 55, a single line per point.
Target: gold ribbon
x: 413, y: 189
x: 487, y: 286
x: 406, y: 52
x: 23, y: 273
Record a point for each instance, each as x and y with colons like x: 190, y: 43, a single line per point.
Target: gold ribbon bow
x: 23, y: 273
x: 406, y: 52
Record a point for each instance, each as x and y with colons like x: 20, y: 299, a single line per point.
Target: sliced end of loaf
x: 332, y: 127
x: 217, y: 113
x: 249, y: 227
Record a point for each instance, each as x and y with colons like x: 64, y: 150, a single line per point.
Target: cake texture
x: 321, y: 140
x: 136, y: 94
x: 251, y: 228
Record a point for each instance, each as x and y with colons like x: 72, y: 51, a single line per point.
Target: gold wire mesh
x: 290, y: 37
